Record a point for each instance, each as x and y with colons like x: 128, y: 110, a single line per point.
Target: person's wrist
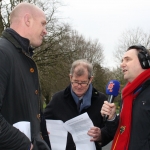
x: 112, y: 118
x: 99, y: 142
x: 31, y: 147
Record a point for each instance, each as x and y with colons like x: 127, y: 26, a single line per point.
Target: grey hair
x: 84, y: 64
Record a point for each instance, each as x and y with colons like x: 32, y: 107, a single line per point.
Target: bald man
x: 19, y: 85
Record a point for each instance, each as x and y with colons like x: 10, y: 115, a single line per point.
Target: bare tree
x: 55, y: 62
x: 128, y: 38
x: 60, y: 48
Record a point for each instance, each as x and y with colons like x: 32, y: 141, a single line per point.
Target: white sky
x: 106, y: 20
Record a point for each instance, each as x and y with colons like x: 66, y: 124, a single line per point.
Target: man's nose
x: 45, y: 31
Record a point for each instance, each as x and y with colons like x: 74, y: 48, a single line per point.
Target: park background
x: 98, y: 30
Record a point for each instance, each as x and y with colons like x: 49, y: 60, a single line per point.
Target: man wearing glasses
x: 80, y: 97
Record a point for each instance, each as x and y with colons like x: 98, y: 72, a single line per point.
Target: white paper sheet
x: 78, y: 127
x: 24, y: 126
x: 58, y: 134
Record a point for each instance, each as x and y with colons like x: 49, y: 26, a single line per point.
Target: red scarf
x: 122, y: 136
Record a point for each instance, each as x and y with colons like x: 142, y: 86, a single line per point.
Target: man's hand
x: 108, y: 109
x: 95, y: 133
x: 31, y: 147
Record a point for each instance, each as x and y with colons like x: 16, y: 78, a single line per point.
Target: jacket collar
x: 20, y: 42
x: 145, y: 85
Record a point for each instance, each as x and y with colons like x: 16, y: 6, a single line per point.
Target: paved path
x: 107, y: 147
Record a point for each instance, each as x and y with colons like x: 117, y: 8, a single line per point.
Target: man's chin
x: 79, y: 95
x: 36, y: 44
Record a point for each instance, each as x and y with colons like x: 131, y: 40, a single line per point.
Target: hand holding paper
x: 78, y: 127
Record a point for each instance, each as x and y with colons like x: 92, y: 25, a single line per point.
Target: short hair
x: 84, y: 64
x: 139, y: 48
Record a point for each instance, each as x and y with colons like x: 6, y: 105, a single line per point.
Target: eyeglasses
x: 81, y: 84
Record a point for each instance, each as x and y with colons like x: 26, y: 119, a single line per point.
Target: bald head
x: 29, y: 21
x: 21, y: 9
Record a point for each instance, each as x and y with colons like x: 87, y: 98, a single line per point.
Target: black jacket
x: 140, y: 126
x: 19, y: 96
x: 63, y: 107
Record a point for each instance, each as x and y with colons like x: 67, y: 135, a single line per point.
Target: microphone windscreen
x: 113, y: 87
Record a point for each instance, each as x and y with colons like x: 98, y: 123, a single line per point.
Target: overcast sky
x: 106, y: 20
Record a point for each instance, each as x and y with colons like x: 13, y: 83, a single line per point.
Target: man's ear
x: 70, y: 76
x: 91, y: 79
x: 27, y: 19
